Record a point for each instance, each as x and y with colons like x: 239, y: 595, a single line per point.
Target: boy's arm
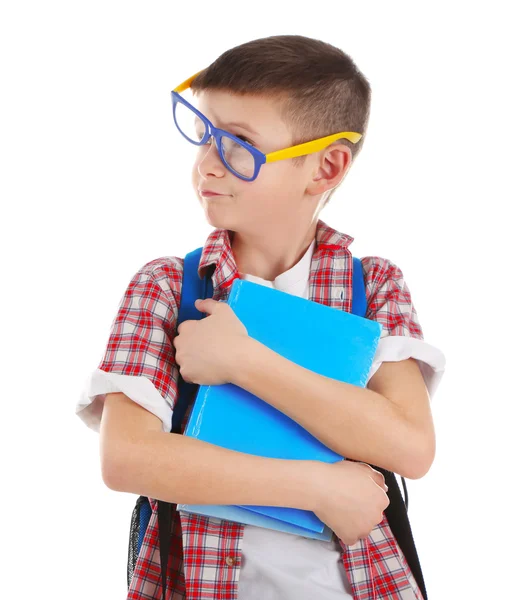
x: 387, y: 424
x: 138, y: 457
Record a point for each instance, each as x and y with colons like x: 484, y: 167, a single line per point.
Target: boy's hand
x: 351, y: 499
x: 207, y: 350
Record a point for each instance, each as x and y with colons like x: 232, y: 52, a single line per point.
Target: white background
x: 95, y: 182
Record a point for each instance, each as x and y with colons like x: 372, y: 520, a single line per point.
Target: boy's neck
x: 267, y: 256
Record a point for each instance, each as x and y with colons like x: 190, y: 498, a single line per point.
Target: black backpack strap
x: 397, y: 516
x: 192, y: 288
x: 397, y: 510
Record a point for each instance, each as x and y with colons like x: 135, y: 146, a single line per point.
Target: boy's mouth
x: 209, y: 193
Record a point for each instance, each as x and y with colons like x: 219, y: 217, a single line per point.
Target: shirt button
x: 230, y: 560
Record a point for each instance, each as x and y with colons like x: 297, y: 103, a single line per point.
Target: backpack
x: 397, y: 511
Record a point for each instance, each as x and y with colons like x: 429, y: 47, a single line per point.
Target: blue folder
x: 326, y: 340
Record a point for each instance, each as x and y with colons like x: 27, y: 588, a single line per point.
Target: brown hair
x: 320, y: 88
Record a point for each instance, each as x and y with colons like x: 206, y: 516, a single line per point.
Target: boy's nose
x: 211, y: 163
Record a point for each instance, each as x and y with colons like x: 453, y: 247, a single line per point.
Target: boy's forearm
x: 180, y: 469
x: 353, y: 421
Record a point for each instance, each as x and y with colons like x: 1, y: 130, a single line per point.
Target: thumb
x: 207, y: 305
x: 377, y: 476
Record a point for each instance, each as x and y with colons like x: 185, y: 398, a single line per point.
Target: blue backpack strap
x: 193, y: 287
x: 359, y: 301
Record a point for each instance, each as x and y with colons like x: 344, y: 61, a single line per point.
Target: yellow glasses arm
x: 310, y: 147
x: 186, y: 84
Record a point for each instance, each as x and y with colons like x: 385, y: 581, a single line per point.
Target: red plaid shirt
x: 205, y: 553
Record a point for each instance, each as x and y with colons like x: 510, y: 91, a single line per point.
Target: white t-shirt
x: 275, y: 565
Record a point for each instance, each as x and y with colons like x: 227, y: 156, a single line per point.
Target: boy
x: 267, y: 95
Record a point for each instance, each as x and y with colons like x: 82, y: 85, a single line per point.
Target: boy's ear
x: 334, y: 162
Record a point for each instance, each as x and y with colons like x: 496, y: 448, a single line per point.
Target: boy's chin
x: 218, y: 221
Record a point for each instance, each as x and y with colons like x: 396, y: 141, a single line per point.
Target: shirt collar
x: 217, y: 253
x: 330, y: 239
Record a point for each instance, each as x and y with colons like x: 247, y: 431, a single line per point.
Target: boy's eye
x: 244, y: 139
x: 200, y: 135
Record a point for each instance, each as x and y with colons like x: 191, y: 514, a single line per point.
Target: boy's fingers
x: 206, y: 305
x: 380, y: 480
x: 377, y: 476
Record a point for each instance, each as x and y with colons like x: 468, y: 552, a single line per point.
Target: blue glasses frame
x: 216, y: 133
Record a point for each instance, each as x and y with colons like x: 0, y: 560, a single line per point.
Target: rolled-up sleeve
x: 139, y: 357
x: 389, y: 302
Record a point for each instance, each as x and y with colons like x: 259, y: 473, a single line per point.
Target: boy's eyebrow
x: 243, y: 126
x: 237, y: 124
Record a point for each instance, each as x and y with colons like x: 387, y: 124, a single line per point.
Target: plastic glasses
x: 239, y: 156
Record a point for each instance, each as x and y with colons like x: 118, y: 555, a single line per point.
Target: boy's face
x: 277, y: 198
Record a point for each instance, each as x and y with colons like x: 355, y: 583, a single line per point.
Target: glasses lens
x: 237, y: 157
x: 189, y: 123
